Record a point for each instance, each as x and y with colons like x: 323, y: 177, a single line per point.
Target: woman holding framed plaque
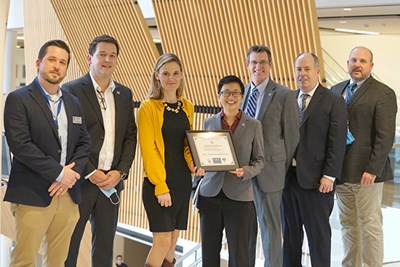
x: 163, y: 119
x: 226, y: 197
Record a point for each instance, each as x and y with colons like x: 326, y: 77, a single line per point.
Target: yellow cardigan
x: 150, y: 120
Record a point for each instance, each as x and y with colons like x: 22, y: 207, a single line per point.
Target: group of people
x: 73, y: 148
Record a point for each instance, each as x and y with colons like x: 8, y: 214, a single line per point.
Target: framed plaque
x: 213, y: 150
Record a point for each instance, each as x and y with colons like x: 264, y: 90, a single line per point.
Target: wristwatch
x: 124, y: 175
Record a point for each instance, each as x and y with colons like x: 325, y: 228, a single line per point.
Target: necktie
x: 302, y: 107
x: 252, y: 103
x: 350, y: 92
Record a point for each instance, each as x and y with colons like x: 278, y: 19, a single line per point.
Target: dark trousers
x: 239, y: 220
x: 103, y: 217
x: 311, y: 209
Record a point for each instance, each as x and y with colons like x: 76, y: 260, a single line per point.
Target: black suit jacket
x: 34, y: 142
x: 372, y: 121
x: 125, y: 126
x: 322, y: 138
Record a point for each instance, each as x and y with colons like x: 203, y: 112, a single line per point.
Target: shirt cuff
x: 60, y: 176
x: 330, y: 178
x: 90, y: 174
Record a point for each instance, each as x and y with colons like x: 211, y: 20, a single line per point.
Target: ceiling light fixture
x: 347, y: 9
x: 356, y: 31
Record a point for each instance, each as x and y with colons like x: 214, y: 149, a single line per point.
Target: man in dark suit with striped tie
x: 308, y: 195
x: 372, y: 112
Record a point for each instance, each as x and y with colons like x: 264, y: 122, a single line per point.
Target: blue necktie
x: 252, y: 103
x: 302, y: 108
x: 350, y: 92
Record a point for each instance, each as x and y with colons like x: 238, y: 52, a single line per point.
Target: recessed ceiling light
x: 342, y: 21
x: 347, y: 9
x: 356, y: 31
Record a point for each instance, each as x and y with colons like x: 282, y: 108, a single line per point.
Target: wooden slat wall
x: 213, y: 36
x: 122, y: 19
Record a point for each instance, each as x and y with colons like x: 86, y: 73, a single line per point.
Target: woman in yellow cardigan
x: 163, y: 119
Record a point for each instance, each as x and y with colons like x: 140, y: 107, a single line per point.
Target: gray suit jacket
x: 249, y: 146
x: 279, y: 116
x: 372, y: 121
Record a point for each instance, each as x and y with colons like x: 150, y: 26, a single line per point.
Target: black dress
x: 179, y: 180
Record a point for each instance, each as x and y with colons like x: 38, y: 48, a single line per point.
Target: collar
x: 360, y: 82
x: 237, y: 117
x: 261, y: 87
x: 53, y: 98
x: 311, y: 93
x: 111, y: 86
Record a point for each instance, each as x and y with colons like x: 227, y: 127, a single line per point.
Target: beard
x: 53, y: 79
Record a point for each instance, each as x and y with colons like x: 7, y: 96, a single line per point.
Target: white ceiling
x: 384, y: 19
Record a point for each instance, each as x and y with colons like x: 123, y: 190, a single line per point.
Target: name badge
x: 76, y: 120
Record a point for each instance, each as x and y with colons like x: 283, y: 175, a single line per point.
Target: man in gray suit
x: 276, y: 107
x: 372, y: 112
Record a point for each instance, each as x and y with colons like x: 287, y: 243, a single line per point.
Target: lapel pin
x: 118, y: 93
x: 243, y: 124
x: 269, y: 94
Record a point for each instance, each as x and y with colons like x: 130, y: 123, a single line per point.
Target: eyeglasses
x: 229, y: 93
x: 103, y: 103
x: 261, y: 62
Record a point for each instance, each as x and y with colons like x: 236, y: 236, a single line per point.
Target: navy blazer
x: 125, y: 126
x: 322, y: 138
x: 34, y: 142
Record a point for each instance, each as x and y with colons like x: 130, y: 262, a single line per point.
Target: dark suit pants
x: 311, y: 209
x: 239, y: 220
x: 103, y: 217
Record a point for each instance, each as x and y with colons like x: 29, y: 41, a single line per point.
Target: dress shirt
x: 355, y: 90
x: 106, y: 155
x: 261, y: 89
x: 225, y: 125
x: 53, y: 102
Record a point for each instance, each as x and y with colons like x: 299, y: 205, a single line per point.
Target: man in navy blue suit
x: 108, y: 109
x: 47, y: 136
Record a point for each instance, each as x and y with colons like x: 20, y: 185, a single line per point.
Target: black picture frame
x: 213, y: 150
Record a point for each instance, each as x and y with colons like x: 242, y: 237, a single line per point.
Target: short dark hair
x: 59, y: 43
x: 230, y: 79
x: 259, y: 49
x: 102, y: 39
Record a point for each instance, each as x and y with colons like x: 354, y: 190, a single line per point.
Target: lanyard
x: 47, y: 97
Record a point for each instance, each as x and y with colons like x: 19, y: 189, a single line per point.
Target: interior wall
x: 384, y: 47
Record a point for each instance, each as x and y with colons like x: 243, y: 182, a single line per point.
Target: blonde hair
x: 155, y: 90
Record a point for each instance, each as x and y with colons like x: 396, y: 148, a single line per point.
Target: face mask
x: 108, y: 193
x: 119, y: 262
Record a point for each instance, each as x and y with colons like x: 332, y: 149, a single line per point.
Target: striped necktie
x: 303, y: 106
x: 350, y: 92
x: 251, y: 107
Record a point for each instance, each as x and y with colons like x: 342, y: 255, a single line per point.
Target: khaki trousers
x: 53, y: 225
x: 360, y: 215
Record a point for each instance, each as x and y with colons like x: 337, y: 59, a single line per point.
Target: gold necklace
x: 176, y: 110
